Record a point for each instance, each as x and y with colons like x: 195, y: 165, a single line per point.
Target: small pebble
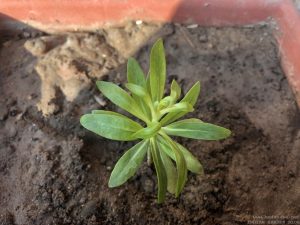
x: 108, y: 168
x: 100, y: 101
x: 147, y: 184
x: 203, y: 38
x: 192, y: 26
x: 138, y: 22
x: 26, y: 34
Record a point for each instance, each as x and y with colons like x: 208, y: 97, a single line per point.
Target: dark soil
x: 52, y: 171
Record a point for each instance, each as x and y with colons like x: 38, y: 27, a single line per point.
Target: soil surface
x: 52, y: 171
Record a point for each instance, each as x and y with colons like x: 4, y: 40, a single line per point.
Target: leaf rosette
x: 158, y: 115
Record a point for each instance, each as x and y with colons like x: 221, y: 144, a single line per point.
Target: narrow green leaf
x: 192, y: 162
x: 160, y: 171
x: 141, y: 96
x: 110, y: 125
x: 121, y: 98
x: 157, y: 70
x: 175, y: 91
x: 128, y: 164
x: 170, y: 170
x: 148, y: 86
x: 195, y: 128
x: 136, y: 89
x: 191, y: 98
x: 166, y: 147
x: 135, y: 74
x: 193, y: 94
x: 180, y: 164
x: 148, y: 131
x: 165, y: 102
x: 181, y: 107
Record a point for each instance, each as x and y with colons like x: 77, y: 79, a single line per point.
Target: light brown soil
x: 52, y: 171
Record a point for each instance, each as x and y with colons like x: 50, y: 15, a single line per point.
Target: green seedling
x: 158, y: 115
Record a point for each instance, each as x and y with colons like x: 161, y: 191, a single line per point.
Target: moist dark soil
x: 52, y: 171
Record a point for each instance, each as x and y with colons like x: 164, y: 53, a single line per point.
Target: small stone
x: 108, y: 168
x: 192, y: 26
x: 88, y: 166
x: 138, y: 22
x: 101, y: 101
x: 203, y: 38
x: 26, y: 34
x: 19, y: 116
x: 82, y: 200
x: 147, y: 184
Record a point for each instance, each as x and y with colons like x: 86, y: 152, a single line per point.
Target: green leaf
x: 148, y: 84
x: 135, y: 74
x: 136, y: 89
x: 193, y: 94
x: 141, y: 96
x: 175, y: 91
x: 191, y: 98
x: 148, y: 131
x: 157, y: 70
x: 170, y: 170
x: 98, y: 111
x: 128, y: 164
x: 180, y: 164
x: 196, y: 129
x: 165, y: 102
x: 110, y: 125
x: 192, y: 162
x: 160, y: 171
x: 179, y: 107
x: 121, y: 98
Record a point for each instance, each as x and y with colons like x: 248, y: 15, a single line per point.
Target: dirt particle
x: 37, y: 46
x: 89, y: 209
x: 6, y: 218
x: 203, y: 38
x: 3, y: 111
x: 147, y: 184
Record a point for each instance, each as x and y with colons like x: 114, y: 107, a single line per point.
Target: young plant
x: 146, y: 101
